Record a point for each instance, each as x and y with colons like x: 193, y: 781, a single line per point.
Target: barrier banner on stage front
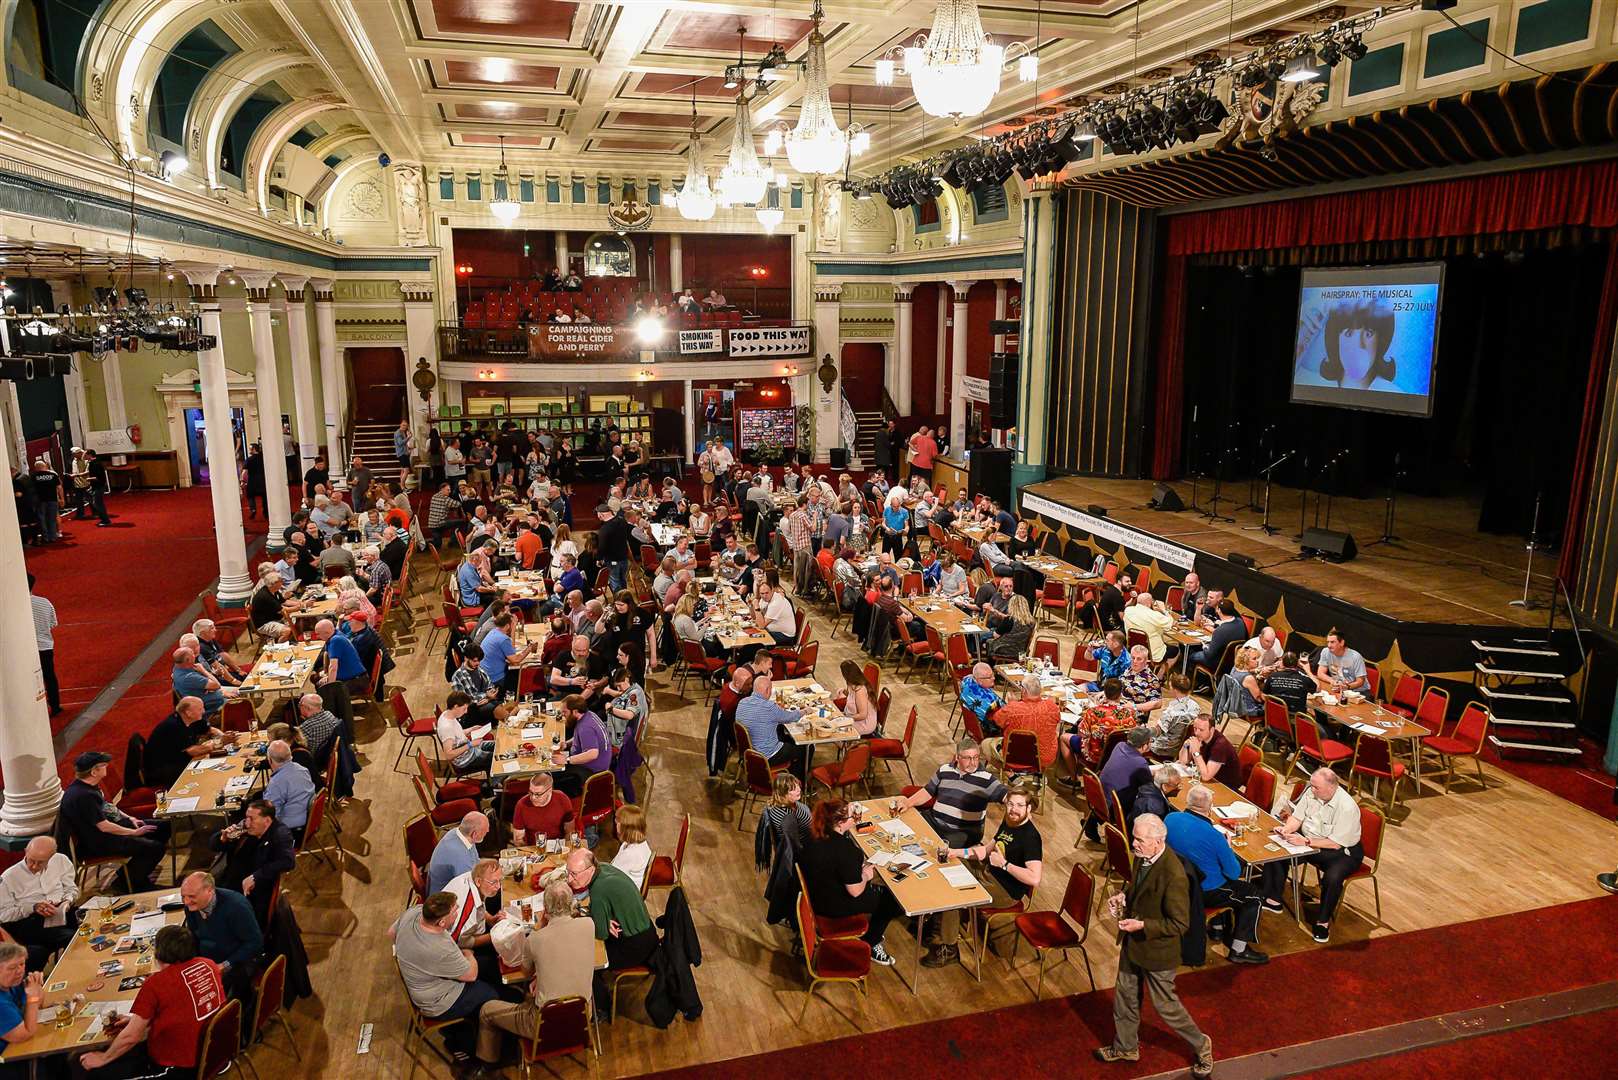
x: 573, y: 341
x: 770, y: 341
x: 711, y: 340
x: 1136, y: 541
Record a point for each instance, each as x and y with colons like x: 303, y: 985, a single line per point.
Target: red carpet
x: 1584, y: 784
x: 116, y: 588
x: 1372, y: 984
x: 1569, y: 1049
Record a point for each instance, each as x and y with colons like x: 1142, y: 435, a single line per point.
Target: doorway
x: 714, y: 418
x: 196, y: 442
x: 379, y: 384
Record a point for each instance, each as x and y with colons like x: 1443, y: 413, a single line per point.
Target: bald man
x: 36, y: 901
x: 178, y: 739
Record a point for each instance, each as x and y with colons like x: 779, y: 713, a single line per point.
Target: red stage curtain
x: 1170, y: 370
x: 1567, y: 566
x: 1506, y: 202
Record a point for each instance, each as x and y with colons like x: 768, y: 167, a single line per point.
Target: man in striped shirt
x: 44, y: 623
x: 961, y: 792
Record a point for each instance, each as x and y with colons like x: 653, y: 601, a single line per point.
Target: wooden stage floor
x: 1439, y: 571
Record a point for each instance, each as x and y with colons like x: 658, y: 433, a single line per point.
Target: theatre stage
x: 1439, y: 571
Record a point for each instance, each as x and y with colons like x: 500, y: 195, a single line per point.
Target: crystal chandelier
x: 955, y: 70
x: 744, y: 178
x: 817, y: 146
x: 770, y: 217
x: 503, y: 206
x: 696, y: 201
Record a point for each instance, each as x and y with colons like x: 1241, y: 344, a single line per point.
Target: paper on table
x: 895, y: 827
x: 238, y: 783
x: 533, y: 732
x: 1236, y: 810
x: 1290, y: 848
x: 181, y: 806
x: 959, y: 876
x: 149, y: 923
x: 1361, y: 725
x: 971, y: 628
x: 880, y: 858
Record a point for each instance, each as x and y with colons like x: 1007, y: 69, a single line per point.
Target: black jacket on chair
x: 674, y: 988
x: 1194, y: 943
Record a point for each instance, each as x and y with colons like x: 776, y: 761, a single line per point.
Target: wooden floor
x: 1475, y: 853
x: 1440, y: 569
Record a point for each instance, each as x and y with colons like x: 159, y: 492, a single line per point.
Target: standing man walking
x: 44, y: 624
x: 1152, y: 916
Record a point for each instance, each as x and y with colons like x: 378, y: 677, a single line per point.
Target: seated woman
x: 844, y: 570
x: 1013, y: 641
x: 857, y: 703
x: 1250, y: 701
x: 840, y: 882
x: 700, y: 523
x: 626, y: 706
x: 951, y: 577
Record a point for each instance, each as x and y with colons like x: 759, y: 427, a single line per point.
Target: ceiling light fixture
x: 1028, y: 66
x: 695, y: 200
x: 816, y: 146
x: 744, y: 177
x: 955, y: 70
x: 503, y: 206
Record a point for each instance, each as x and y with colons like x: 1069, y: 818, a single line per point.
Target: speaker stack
x: 1003, y: 379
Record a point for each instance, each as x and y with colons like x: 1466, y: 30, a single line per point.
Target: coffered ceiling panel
x: 531, y: 20
x: 495, y: 72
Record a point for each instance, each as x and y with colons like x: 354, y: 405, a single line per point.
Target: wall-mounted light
x: 171, y: 164
x: 486, y: 374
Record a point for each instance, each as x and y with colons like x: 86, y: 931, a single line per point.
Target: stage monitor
x: 1368, y: 337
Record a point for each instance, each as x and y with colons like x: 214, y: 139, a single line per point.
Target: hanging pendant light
x: 695, y: 200
x: 816, y: 146
x: 955, y: 70
x: 503, y: 206
x: 744, y: 178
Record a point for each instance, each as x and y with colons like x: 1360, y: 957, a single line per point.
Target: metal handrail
x: 1572, y: 619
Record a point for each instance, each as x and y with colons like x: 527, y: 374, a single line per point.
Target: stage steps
x: 374, y: 444
x: 1524, y: 684
x: 870, y: 428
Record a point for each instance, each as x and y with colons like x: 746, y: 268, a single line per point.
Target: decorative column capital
x: 830, y: 292
x: 417, y: 292
x: 902, y: 291
x: 257, y: 283
x: 203, y: 278
x: 293, y: 284
x: 323, y: 289
x: 960, y: 289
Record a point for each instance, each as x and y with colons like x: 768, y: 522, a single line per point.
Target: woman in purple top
x: 589, y: 748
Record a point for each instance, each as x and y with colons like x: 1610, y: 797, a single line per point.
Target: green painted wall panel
x: 1456, y: 49
x: 1377, y: 70
x: 1552, y: 23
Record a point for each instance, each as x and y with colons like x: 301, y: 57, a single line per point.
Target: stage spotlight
x: 1275, y: 67
x: 1301, y: 68
x: 1330, y: 53
x: 649, y: 330
x: 1252, y: 75
x: 1354, y: 48
x: 137, y: 297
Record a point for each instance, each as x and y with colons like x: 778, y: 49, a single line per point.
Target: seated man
x: 257, y: 850
x: 1125, y: 770
x: 290, y: 789
x: 440, y: 976
x: 1152, y: 796
x: 1009, y: 867
x: 618, y: 912
x: 471, y: 921
x: 465, y: 754
x: 98, y: 828
x: 1035, y: 712
x: 1268, y: 647
x: 483, y: 695
x: 1337, y: 667
x: 1228, y: 628
x: 178, y: 739
x: 1171, y: 719
x: 961, y: 792
x: 978, y: 694
x: 1146, y: 616
x: 457, y: 850
x: 764, y: 719
x: 1100, y: 720
x: 191, y: 678
x: 1191, y: 833
x: 226, y: 930
x: 1212, y: 755
x: 543, y: 814
x: 1327, y: 819
x: 1290, y: 684
x: 1111, y: 657
x: 562, y: 955
x: 36, y: 901
x: 162, y: 1035
x: 213, y: 654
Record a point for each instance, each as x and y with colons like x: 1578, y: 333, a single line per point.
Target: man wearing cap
x: 368, y: 646
x: 98, y: 828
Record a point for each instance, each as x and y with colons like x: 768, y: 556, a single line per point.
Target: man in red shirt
x: 543, y: 814
x: 1034, y: 712
x: 923, y: 449
x: 528, y: 544
x: 163, y: 1030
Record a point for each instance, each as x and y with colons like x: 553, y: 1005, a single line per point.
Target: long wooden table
x: 522, y: 584
x: 735, y: 622
x: 215, y: 785
x: 919, y: 892
x: 517, y: 885
x: 1369, y: 719
x: 944, y: 616
x: 283, y: 669
x: 525, y: 741
x: 1252, y: 841
x: 320, y: 602
x: 1055, y: 683
x: 78, y: 972
x: 822, y: 723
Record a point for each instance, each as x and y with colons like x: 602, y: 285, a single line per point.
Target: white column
x: 78, y: 412
x: 333, y: 380
x: 33, y: 790
x: 235, y: 585
x: 827, y: 403
x: 560, y: 251
x: 268, y: 383
x: 112, y: 377
x: 421, y: 343
x: 904, y: 312
x: 940, y: 389
x: 688, y: 412
x: 676, y: 271
x: 1000, y: 312
x: 957, y: 368
x: 306, y: 426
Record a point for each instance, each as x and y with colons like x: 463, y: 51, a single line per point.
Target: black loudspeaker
x: 839, y: 457
x: 1165, y: 498
x: 1334, y: 545
x: 989, y: 473
x: 1002, y: 389
x: 1004, y: 326
x: 1096, y: 510
x: 1238, y: 559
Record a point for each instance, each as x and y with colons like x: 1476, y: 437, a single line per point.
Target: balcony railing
x: 749, y: 339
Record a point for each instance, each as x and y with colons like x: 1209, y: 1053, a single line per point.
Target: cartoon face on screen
x: 1356, y: 336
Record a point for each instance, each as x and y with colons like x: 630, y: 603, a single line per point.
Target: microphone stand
x: 1269, y: 476
x: 1196, y: 457
x: 1303, y: 498
x: 1212, y: 513
x: 1388, y: 536
x: 1263, y: 449
x: 1526, y: 603
x: 1331, y: 471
